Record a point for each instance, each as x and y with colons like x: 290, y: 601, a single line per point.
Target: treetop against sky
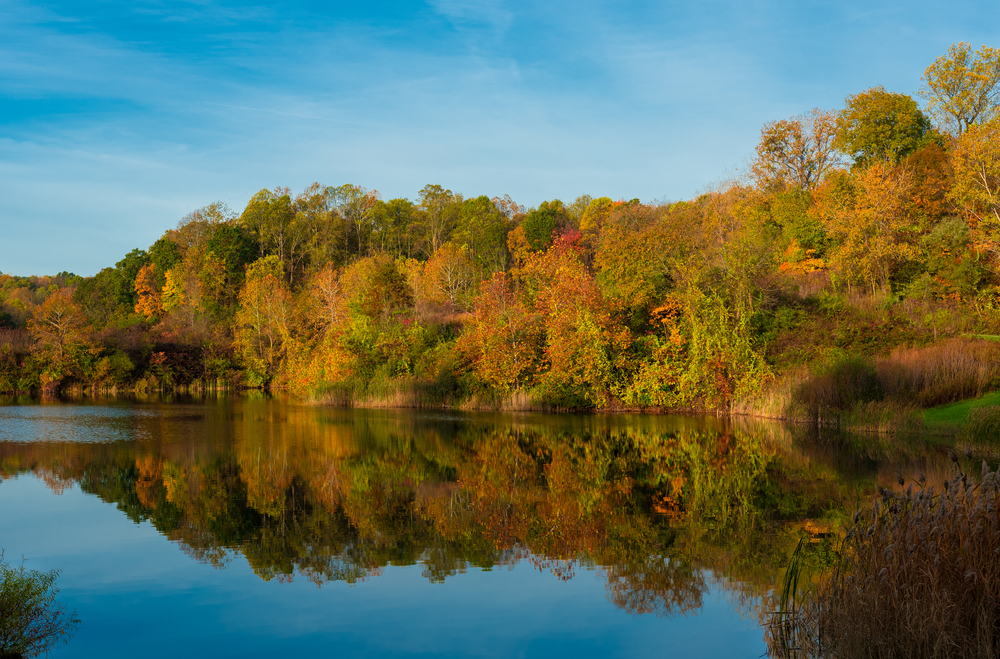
x: 117, y: 119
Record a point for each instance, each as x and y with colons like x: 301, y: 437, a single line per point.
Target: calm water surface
x: 254, y: 527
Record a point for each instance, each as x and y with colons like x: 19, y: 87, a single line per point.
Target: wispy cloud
x: 476, y: 15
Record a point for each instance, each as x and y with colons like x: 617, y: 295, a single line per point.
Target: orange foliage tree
x: 57, y: 322
x: 583, y: 340
x: 149, y: 305
x: 504, y: 338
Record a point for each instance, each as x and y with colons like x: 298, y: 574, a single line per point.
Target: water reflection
x: 659, y: 505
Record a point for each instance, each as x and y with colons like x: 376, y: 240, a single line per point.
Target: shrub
x: 844, y: 383
x: 31, y: 621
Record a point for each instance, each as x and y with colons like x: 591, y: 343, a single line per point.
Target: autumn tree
x: 976, y: 189
x: 196, y: 228
x: 262, y: 323
x: 451, y: 276
x: 880, y: 126
x: 172, y: 294
x: 57, y: 322
x: 504, y: 338
x: 961, y: 87
x: 796, y: 152
x: 932, y: 170
x: 330, y: 297
x: 869, y: 215
x: 594, y: 216
x: 633, y: 254
x: 149, y: 303
x: 739, y: 249
x: 582, y: 338
x: 211, y: 229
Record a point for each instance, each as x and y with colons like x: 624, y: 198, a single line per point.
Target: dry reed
x: 919, y: 577
x: 941, y: 373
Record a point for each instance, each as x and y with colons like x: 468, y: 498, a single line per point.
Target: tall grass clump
x: 983, y: 425
x: 821, y: 393
x: 919, y: 576
x: 882, y: 393
x: 941, y: 373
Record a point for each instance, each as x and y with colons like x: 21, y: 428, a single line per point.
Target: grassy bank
x: 935, y: 386
x: 954, y: 416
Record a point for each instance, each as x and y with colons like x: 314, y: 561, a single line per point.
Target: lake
x: 250, y: 526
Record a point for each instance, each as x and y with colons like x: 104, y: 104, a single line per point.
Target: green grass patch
x: 985, y: 337
x: 954, y: 415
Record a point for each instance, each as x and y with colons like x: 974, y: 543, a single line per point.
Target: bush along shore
x: 849, y: 278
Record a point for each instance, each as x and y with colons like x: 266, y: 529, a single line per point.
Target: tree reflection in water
x: 662, y: 507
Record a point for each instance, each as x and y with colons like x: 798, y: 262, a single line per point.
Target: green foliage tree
x: 97, y: 296
x: 880, y: 126
x: 357, y: 205
x: 440, y: 209
x: 126, y: 271
x: 396, y: 229
x: 327, y: 232
x: 164, y: 255
x: 482, y: 228
x: 541, y: 223
x: 32, y: 622
x: 234, y: 248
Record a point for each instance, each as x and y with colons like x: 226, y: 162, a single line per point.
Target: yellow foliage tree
x: 869, y: 213
x: 173, y: 291
x: 976, y: 188
x: 261, y: 325
x: 963, y: 88
x: 450, y: 275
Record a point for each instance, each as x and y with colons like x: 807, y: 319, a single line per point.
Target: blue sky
x: 118, y: 118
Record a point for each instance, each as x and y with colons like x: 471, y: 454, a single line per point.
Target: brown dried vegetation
x: 919, y: 577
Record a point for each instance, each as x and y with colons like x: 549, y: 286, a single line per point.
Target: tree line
x: 884, y: 214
